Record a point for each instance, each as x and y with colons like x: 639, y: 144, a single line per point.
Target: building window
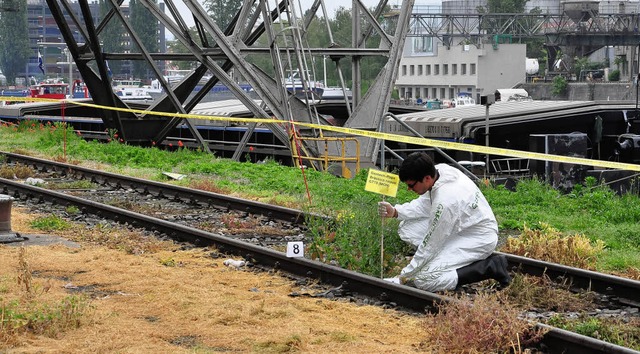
x: 442, y: 92
x: 473, y: 69
x: 451, y: 92
x: 436, y: 69
x: 427, y: 69
x: 409, y: 93
x: 412, y: 70
x: 404, y: 70
x: 463, y: 69
x: 434, y: 93
x: 423, y: 44
x: 454, y: 69
x: 445, y: 69
x: 420, y: 70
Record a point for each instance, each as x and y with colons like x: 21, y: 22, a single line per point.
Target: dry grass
x: 28, y: 308
x: 631, y: 273
x: 548, y: 244
x: 167, y: 300
x: 16, y: 171
x: 207, y: 185
x: 486, y: 325
x: 527, y: 292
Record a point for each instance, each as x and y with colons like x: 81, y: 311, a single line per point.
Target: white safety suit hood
x: 452, y: 226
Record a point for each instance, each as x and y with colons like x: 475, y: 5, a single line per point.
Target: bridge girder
x: 558, y: 29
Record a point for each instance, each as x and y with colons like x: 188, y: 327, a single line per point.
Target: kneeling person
x: 451, y: 225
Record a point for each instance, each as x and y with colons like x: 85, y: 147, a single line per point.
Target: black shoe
x: 494, y: 267
x: 500, y: 269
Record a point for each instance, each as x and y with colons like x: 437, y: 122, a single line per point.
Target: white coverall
x: 452, y: 226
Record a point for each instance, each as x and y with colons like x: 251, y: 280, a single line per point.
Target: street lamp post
x: 70, y: 62
x: 487, y: 101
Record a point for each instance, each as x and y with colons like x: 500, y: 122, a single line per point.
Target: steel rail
x: 556, y: 340
x: 164, y: 189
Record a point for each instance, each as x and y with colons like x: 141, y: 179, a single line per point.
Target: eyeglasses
x: 411, y: 185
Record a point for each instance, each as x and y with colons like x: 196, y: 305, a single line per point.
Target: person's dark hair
x: 417, y: 166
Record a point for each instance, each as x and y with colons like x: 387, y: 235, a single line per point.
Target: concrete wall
x: 582, y: 91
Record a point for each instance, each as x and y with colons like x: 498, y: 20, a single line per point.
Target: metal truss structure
x: 277, y: 31
x: 583, y: 27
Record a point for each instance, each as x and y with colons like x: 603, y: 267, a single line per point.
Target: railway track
x: 556, y: 340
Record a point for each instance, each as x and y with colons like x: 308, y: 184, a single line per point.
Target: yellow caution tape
x: 365, y: 133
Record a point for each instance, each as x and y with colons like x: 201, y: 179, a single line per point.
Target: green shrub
x: 353, y: 240
x: 614, y: 75
x: 560, y: 86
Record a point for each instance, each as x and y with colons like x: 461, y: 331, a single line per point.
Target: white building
x: 429, y: 72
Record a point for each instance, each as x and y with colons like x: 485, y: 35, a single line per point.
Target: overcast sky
x: 332, y: 6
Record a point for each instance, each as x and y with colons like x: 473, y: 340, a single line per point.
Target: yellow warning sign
x: 382, y: 183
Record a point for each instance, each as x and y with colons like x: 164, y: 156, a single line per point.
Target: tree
x: 14, y: 42
x: 145, y: 25
x: 341, y: 27
x: 112, y: 36
x: 500, y: 7
x: 175, y: 46
x: 222, y: 11
x: 505, y: 6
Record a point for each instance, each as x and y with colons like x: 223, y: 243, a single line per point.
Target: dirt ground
x: 158, y: 298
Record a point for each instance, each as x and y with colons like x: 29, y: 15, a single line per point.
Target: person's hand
x: 395, y: 280
x: 386, y: 210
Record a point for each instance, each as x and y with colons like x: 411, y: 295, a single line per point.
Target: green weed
x: 72, y: 209
x: 46, y: 319
x: 353, y: 240
x: 50, y: 223
x: 617, y: 331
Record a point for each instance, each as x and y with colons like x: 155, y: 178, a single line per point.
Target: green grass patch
x: 590, y: 210
x: 50, y: 223
x: 617, y: 331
